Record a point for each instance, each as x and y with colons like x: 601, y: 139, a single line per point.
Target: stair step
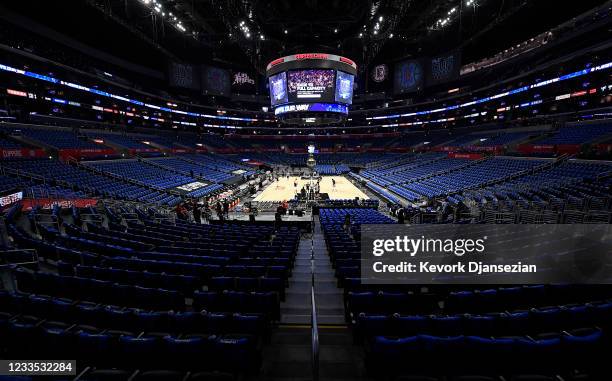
x: 292, y: 318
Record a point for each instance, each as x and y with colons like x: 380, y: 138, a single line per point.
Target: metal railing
x: 22, y: 261
x: 313, y: 313
x: 315, y: 336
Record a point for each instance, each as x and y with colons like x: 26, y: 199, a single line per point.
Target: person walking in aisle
x: 197, y: 212
x: 226, y: 208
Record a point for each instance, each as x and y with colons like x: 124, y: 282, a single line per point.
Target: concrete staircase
x: 288, y: 356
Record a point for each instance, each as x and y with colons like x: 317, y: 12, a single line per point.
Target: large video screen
x: 344, y: 87
x: 278, y: 89
x: 311, y: 85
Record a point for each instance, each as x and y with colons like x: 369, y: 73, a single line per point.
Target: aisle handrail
x: 315, y: 336
x: 313, y: 312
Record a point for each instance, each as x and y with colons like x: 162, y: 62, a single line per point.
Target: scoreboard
x: 311, y: 88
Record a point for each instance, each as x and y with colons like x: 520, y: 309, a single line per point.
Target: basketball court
x: 283, y: 189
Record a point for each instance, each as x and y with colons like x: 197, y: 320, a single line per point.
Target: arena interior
x: 184, y: 186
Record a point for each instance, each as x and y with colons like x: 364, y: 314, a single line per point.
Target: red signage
x: 276, y: 62
x: 528, y: 148
x: 469, y: 156
x: 47, y: 203
x: 21, y: 152
x: 311, y: 56
x: 570, y: 149
x: 64, y: 154
x: 348, y: 61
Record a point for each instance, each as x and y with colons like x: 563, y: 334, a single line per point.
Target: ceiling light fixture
x: 156, y: 6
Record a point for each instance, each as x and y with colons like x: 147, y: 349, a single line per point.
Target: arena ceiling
x: 250, y: 33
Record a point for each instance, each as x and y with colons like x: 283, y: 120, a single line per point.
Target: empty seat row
x: 379, y: 299
x: 565, y: 351
x: 222, y: 283
x: 201, y: 271
x: 116, y: 318
x: 24, y: 337
x: 239, y: 301
x: 98, y: 291
x: 519, y: 322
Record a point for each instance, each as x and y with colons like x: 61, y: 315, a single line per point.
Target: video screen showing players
x: 311, y: 85
x: 278, y: 89
x: 344, y: 87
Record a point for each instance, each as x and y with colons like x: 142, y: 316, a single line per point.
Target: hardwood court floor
x: 283, y: 189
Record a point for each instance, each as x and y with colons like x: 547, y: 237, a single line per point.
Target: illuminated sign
x: 11, y: 199
x: 310, y: 84
x: 503, y: 94
x: 276, y: 62
x: 113, y: 96
x: 312, y: 56
x: 16, y: 92
x: 348, y: 61
x: 312, y: 107
x: 192, y: 186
